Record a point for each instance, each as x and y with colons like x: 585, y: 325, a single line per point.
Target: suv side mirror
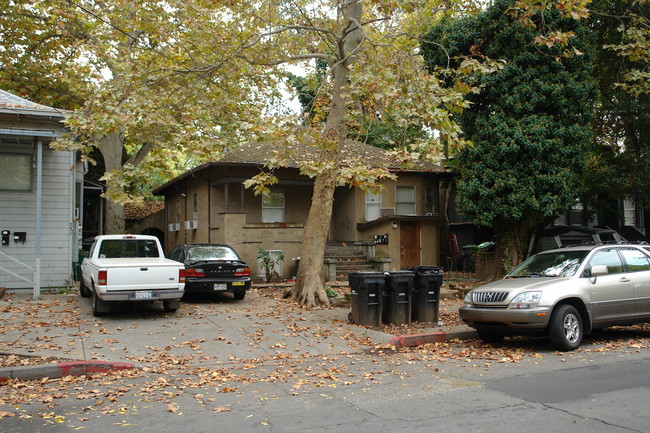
x: 597, y: 270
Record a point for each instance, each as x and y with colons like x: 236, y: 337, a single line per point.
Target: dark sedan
x: 213, y: 268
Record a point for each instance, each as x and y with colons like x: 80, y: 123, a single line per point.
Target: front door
x: 409, y: 244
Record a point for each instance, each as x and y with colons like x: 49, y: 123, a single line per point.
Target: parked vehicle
x: 213, y: 268
x: 564, y: 293
x: 130, y: 268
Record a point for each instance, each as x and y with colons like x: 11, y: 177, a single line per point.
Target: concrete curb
x: 431, y: 337
x: 61, y: 369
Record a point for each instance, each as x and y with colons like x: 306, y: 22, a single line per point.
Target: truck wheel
x: 565, y: 328
x: 171, y: 306
x: 100, y: 307
x: 239, y: 295
x: 83, y: 290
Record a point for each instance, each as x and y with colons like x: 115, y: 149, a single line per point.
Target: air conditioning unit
x: 174, y: 227
x: 191, y: 225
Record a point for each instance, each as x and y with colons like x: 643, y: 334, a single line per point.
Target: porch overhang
x: 399, y: 218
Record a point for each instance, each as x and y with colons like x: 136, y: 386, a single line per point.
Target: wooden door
x: 409, y: 244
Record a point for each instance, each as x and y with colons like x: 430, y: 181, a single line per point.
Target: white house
x: 40, y: 194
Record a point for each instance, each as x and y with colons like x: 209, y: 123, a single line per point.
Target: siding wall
x: 18, y: 213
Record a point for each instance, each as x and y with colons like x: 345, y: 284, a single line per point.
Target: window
x: 609, y: 258
x: 15, y: 172
x: 405, y: 200
x: 195, y: 207
x: 430, y: 200
x: 629, y: 212
x: 117, y: 248
x: 635, y: 259
x: 373, y: 206
x: 273, y: 207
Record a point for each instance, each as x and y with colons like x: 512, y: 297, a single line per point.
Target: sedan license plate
x: 220, y: 287
x: 143, y: 295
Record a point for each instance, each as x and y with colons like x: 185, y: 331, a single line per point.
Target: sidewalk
x: 204, y: 333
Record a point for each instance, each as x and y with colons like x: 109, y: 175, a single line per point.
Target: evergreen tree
x: 529, y: 126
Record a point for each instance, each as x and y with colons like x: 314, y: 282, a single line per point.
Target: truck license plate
x: 143, y: 295
x: 220, y: 286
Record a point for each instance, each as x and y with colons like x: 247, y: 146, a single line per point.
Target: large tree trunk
x: 309, y: 289
x: 111, y: 148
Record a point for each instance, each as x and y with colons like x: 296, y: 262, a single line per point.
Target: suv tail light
x: 182, y: 273
x: 102, y: 276
x: 243, y: 272
x: 192, y: 272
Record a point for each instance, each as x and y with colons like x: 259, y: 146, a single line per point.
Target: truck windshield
x: 556, y: 264
x: 117, y: 248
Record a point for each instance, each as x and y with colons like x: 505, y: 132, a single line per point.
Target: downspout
x: 71, y: 209
x: 39, y: 213
x: 184, y: 214
x: 209, y: 211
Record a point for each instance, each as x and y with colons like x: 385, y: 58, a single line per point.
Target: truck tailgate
x: 147, y: 274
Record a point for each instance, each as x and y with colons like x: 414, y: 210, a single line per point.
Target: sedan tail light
x: 182, y: 274
x: 102, y: 276
x: 243, y: 272
x: 192, y: 272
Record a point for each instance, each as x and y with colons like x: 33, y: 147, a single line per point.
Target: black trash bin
x: 397, y: 299
x: 366, y: 297
x: 425, y: 304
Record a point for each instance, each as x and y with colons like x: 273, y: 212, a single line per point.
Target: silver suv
x: 564, y: 293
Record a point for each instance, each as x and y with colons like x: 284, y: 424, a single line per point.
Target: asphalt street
x: 263, y: 365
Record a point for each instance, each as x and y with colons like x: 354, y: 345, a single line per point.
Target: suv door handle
x: 624, y: 280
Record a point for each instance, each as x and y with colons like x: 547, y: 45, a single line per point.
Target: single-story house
x: 40, y: 195
x: 404, y: 222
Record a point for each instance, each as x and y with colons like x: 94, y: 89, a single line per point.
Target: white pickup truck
x: 130, y: 268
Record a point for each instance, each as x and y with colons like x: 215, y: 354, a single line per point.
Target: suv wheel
x: 565, y: 328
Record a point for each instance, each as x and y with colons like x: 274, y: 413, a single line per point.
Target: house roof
x: 260, y: 153
x: 12, y: 104
x: 353, y: 151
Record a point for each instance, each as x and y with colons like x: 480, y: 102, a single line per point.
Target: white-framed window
x: 629, y: 212
x: 16, y: 171
x: 405, y: 200
x: 273, y: 207
x: 373, y: 206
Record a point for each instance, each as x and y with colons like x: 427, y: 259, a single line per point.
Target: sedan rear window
x: 558, y: 264
x: 201, y: 253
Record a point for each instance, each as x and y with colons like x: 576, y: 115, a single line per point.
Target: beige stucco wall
x: 429, y: 240
x: 231, y: 214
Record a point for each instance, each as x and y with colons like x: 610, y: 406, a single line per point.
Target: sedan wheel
x: 565, y: 328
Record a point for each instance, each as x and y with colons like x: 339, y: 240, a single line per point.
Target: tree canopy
x: 529, y: 126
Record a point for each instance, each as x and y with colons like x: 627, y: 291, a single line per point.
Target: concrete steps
x: 349, y: 258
